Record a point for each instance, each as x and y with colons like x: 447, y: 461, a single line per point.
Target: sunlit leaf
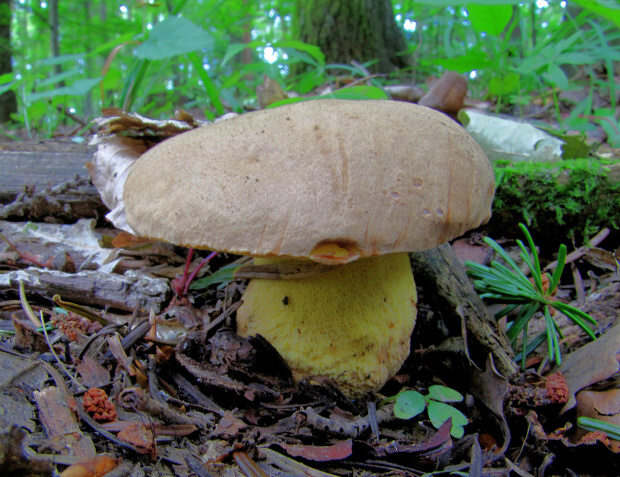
x: 173, y: 36
x: 490, y: 19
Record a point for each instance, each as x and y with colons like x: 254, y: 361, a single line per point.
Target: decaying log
x: 47, y: 179
x: 447, y: 289
x: 122, y: 292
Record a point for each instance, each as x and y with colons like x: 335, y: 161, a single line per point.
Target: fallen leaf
x: 339, y: 451
x: 491, y: 388
x: 590, y: 364
x: 510, y: 140
x: 601, y: 405
x: 93, y: 375
x: 94, y: 467
x: 141, y: 437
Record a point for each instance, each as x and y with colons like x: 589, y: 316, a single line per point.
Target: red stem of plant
x: 600, y: 118
x: 179, y: 289
x: 189, y: 280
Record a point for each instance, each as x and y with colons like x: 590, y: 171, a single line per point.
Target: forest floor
x: 106, y: 388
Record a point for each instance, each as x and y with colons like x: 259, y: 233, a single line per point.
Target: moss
x: 573, y: 198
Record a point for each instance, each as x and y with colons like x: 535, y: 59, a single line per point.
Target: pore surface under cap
x: 374, y: 177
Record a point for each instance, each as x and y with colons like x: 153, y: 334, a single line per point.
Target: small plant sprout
x: 408, y: 404
x: 524, y: 297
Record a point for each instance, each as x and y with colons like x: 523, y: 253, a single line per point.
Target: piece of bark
x: 47, y: 179
x: 447, y: 289
x: 61, y: 425
x: 123, y: 292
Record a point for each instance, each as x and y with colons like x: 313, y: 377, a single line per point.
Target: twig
x: 581, y: 295
x: 64, y: 110
x: 601, y: 118
x: 247, y: 465
x: 23, y: 202
x: 79, y: 385
x: 580, y: 252
x: 290, y: 466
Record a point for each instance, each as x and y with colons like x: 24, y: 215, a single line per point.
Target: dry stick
x: 22, y: 202
x: 581, y: 294
x: 571, y: 257
x: 247, y: 465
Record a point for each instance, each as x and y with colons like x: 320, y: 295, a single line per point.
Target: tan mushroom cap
x: 373, y: 177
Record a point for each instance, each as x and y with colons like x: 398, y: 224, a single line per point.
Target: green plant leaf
x: 504, y: 84
x: 313, y: 50
x: 77, y: 88
x: 490, y: 19
x: 447, y: 3
x: 223, y: 275
x: 559, y: 268
x: 173, y: 36
x: 472, y: 60
x: 212, y: 90
x: 556, y: 76
x: 606, y: 9
x: 57, y: 60
x: 409, y: 404
x: 439, y: 412
x: 444, y: 394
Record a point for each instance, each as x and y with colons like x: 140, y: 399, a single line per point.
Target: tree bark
x: 8, y: 100
x: 353, y: 30
x: 55, y: 35
x: 447, y: 289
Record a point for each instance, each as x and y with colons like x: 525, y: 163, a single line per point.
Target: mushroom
x: 354, y: 185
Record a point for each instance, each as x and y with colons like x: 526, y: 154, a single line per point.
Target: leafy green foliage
x: 157, y: 56
x: 172, y: 37
x: 409, y: 404
x: 224, y: 274
x: 525, y: 297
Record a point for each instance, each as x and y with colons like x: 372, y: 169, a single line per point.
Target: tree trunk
x: 353, y: 30
x: 8, y: 100
x: 55, y: 37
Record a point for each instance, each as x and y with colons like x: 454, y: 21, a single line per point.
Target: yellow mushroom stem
x: 351, y: 323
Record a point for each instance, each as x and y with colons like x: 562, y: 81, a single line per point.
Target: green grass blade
x: 557, y: 273
x: 497, y: 247
x: 506, y: 310
x: 530, y: 242
x: 575, y: 318
x: 591, y: 424
x: 520, y: 323
x: 212, y: 90
x: 552, y: 338
x: 534, y: 270
x: 566, y: 308
x: 524, y: 349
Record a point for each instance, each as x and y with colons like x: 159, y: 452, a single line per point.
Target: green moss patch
x: 569, y: 199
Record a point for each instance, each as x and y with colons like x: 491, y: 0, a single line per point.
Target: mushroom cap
x: 332, y: 180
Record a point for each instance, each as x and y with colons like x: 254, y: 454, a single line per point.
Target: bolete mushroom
x: 351, y: 184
